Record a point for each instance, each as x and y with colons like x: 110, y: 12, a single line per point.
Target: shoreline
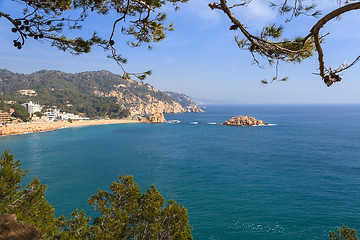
x: 25, y: 128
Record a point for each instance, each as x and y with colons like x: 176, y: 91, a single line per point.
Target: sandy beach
x: 21, y: 128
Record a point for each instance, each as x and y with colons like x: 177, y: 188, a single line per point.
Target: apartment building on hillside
x: 32, y: 107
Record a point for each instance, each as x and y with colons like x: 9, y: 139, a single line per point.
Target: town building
x: 67, y: 116
x: 4, y: 117
x: 27, y: 92
x: 32, y: 107
x: 51, y: 114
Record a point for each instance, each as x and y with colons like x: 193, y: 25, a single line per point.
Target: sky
x: 201, y: 59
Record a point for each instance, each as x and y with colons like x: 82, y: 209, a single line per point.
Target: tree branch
x: 290, y: 51
x: 330, y: 77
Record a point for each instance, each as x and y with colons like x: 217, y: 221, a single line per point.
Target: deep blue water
x: 296, y: 179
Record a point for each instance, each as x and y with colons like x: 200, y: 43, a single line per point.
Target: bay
x: 298, y: 178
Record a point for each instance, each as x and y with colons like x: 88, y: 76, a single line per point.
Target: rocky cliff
x: 149, y: 101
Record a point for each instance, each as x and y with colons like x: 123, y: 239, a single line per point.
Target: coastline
x: 23, y: 128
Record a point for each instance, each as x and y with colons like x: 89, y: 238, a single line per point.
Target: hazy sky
x: 201, y: 59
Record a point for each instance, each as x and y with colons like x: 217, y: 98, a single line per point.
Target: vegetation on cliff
x: 184, y: 100
x: 124, y: 211
x: 98, y: 94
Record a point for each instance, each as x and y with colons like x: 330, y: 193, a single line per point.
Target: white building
x: 27, y: 92
x: 67, y: 116
x: 32, y: 107
x: 50, y: 116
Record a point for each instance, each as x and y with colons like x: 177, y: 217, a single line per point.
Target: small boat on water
x: 215, y: 123
x: 194, y: 123
x: 173, y: 121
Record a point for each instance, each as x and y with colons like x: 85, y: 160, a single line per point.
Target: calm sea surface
x: 296, y: 179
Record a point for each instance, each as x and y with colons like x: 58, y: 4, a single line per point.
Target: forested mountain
x: 98, y: 93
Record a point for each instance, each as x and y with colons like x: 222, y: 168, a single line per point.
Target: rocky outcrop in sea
x: 154, y: 118
x: 244, y: 121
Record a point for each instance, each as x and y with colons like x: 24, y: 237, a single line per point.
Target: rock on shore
x: 244, y: 121
x: 154, y: 118
x: 11, y: 228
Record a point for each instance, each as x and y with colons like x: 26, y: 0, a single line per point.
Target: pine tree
x: 29, y: 203
x: 125, y: 212
x: 343, y: 234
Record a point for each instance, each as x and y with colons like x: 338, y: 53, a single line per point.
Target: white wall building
x: 50, y: 116
x: 67, y: 116
x: 32, y: 107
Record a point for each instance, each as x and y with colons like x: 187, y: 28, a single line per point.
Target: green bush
x: 124, y: 212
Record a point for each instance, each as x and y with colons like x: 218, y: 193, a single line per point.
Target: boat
x: 173, y: 121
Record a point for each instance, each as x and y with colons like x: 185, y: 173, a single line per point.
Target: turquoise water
x: 296, y: 179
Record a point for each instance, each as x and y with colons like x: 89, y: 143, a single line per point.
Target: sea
x: 297, y: 178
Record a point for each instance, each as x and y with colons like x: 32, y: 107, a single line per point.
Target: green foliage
x: 2, y: 105
x: 10, y: 178
x: 20, y: 112
x: 75, y: 227
x: 303, y: 49
x: 29, y: 204
x: 38, y: 114
x: 343, y: 233
x: 296, y: 10
x: 126, y: 213
x: 272, y: 31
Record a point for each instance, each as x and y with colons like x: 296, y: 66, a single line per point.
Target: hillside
x: 182, y: 99
x: 98, y: 93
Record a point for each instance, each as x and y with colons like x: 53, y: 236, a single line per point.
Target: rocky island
x: 244, y: 121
